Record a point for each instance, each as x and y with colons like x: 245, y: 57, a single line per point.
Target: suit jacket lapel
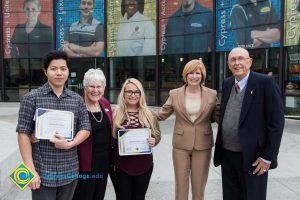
x: 181, y: 102
x: 106, y: 111
x: 204, y: 99
x: 248, y: 97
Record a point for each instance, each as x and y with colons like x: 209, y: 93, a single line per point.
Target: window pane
x: 292, y: 79
x: 22, y: 75
x: 292, y: 106
x: 141, y: 68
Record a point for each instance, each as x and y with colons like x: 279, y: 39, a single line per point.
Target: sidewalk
x: 283, y: 181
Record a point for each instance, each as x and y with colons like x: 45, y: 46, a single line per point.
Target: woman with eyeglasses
x: 94, y: 152
x: 193, y: 105
x: 133, y: 171
x: 33, y: 38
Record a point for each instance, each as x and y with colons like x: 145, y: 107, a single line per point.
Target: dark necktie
x: 237, y: 88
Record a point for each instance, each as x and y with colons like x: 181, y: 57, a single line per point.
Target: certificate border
x: 120, y: 142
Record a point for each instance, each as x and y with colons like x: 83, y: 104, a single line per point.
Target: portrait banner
x: 131, y: 27
x: 80, y: 27
x: 247, y: 24
x: 27, y: 28
x: 292, y: 23
x: 185, y: 26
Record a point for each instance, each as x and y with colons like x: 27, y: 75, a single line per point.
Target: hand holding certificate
x: 134, y: 141
x: 50, y: 122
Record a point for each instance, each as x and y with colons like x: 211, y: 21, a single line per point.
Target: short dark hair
x: 140, y: 6
x: 93, y: 1
x: 55, y: 55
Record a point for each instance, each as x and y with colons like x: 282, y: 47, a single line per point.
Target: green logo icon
x: 21, y: 176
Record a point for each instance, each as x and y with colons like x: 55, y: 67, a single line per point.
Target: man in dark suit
x: 250, y: 130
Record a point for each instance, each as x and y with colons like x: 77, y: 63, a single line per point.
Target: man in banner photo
x: 255, y: 24
x: 189, y: 29
x: 85, y: 37
x: 54, y: 162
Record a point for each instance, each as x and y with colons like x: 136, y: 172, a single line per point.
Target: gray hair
x: 95, y: 75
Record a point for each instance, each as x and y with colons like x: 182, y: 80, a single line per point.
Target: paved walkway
x: 284, y: 182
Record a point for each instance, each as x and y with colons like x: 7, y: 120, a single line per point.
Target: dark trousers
x: 239, y: 184
x: 133, y: 187
x: 64, y: 192
x: 92, y: 185
x: 114, y: 179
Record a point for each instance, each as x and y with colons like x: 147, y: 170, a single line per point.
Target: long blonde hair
x: 146, y: 118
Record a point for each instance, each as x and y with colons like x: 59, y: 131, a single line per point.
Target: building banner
x: 131, y: 27
x: 292, y: 22
x: 185, y: 26
x: 80, y: 27
x: 27, y: 28
x: 247, y: 23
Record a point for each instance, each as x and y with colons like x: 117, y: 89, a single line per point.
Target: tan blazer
x: 187, y: 134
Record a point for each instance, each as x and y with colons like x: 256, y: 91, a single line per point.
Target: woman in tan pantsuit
x: 193, y: 104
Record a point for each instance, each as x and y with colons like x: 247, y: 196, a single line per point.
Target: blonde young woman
x: 134, y: 171
x: 193, y: 104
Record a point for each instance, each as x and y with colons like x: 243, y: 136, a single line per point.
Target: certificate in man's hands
x: 134, y: 141
x: 49, y: 122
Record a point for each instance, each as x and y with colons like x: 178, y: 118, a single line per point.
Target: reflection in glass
x: 292, y: 80
x: 292, y: 107
x: 22, y: 75
x: 141, y: 68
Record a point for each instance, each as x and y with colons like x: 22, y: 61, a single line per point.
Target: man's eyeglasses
x: 239, y: 59
x: 130, y: 92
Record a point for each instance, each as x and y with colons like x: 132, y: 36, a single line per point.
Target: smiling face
x: 239, y: 62
x: 32, y: 11
x: 94, y: 91
x: 194, y: 78
x: 86, y: 8
x: 187, y: 5
x: 131, y: 7
x: 132, y: 95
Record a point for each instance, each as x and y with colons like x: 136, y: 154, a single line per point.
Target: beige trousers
x: 194, y: 164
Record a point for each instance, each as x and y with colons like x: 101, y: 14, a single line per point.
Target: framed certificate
x: 49, y: 122
x: 134, y: 141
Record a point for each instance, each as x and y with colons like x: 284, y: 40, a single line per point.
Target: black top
x: 101, y: 131
x: 36, y: 44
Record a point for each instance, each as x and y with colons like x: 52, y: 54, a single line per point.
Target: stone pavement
x: 284, y: 182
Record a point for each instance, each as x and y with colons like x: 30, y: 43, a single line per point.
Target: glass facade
x: 150, y: 40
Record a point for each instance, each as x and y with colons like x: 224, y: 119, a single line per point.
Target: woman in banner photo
x: 136, y: 35
x: 33, y: 38
x: 133, y: 171
x: 193, y: 104
x: 94, y: 152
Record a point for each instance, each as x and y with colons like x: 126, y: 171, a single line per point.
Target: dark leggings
x: 133, y: 187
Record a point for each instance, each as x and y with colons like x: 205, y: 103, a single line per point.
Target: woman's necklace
x: 101, y: 114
